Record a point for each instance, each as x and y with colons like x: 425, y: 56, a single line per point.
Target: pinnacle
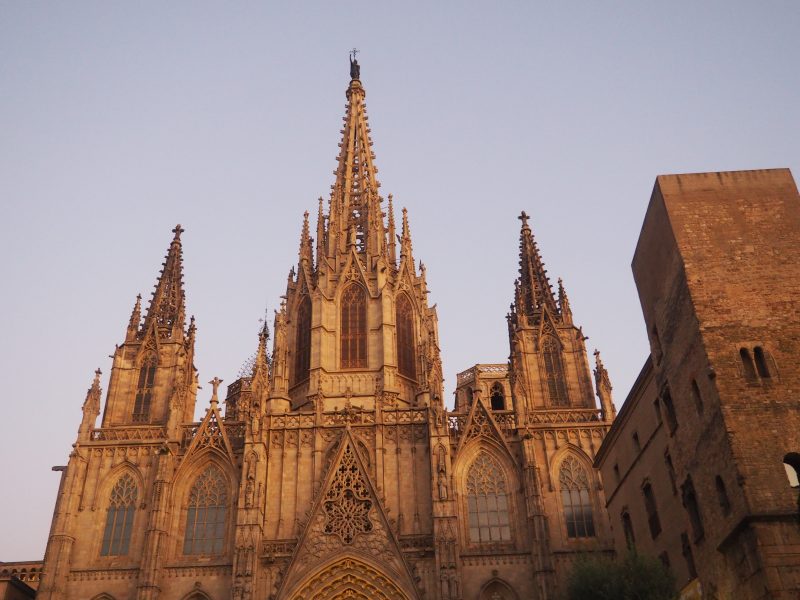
x: 166, y: 308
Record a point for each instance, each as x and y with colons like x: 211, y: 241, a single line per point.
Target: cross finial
x: 354, y: 52
x: 524, y: 218
x: 355, y: 69
x: 215, y: 386
x: 178, y: 231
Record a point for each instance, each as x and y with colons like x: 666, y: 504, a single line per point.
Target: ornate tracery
x: 119, y: 518
x: 205, y: 517
x: 347, y: 502
x: 406, y: 361
x: 575, y: 498
x: 487, y: 501
x: 354, y: 327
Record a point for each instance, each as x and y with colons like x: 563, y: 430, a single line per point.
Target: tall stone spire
x: 136, y: 319
x: 305, y: 244
x: 355, y: 203
x: 534, y: 294
x: 166, y: 310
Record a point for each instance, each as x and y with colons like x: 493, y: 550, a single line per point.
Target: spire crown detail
x: 534, y: 295
x: 166, y: 310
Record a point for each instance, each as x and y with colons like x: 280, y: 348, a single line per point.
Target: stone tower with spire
x: 335, y: 470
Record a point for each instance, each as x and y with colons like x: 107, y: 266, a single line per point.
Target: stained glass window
x: 406, y: 362
x: 205, y: 518
x: 144, y: 390
x: 302, y: 357
x: 119, y: 518
x: 487, y: 501
x: 354, y: 327
x: 576, y: 499
x: 554, y: 372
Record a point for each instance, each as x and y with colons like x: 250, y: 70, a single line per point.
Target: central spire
x: 355, y: 205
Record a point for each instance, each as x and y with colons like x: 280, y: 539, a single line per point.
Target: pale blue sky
x: 120, y: 119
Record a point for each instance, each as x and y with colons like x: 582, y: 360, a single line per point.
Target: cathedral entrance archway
x: 348, y: 579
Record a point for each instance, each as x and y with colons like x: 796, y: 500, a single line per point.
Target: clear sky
x: 120, y: 119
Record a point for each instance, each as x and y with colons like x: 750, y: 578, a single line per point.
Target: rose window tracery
x: 347, y: 502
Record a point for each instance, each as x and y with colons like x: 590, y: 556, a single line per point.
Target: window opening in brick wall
x: 669, y: 409
x: 637, y: 445
x: 761, y: 362
x: 722, y: 496
x: 671, y: 471
x: 656, y: 344
x: 686, y: 550
x: 698, y: 399
x: 791, y: 463
x: 692, y: 507
x: 627, y: 528
x: 747, y: 364
x: 652, y: 510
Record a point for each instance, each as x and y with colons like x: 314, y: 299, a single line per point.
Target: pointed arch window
x: 354, y: 327
x: 487, y: 502
x: 406, y: 361
x: 206, y: 515
x: 119, y: 517
x: 144, y: 390
x: 554, y: 372
x: 302, y: 356
x: 575, y: 499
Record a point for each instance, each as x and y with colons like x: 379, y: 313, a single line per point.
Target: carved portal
x: 352, y: 579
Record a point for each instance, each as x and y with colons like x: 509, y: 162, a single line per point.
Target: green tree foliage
x: 635, y: 577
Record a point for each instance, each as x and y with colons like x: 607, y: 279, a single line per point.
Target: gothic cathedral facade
x: 335, y: 469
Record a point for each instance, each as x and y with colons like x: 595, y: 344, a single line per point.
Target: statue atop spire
x: 355, y: 68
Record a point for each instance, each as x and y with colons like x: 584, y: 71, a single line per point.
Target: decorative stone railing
x: 569, y: 415
x: 124, y: 434
x: 469, y: 374
x: 272, y: 550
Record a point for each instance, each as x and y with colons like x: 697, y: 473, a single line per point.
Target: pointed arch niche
x: 354, y: 327
x: 406, y: 356
x: 554, y: 371
x: 349, y: 578
x: 497, y: 589
x: 302, y: 354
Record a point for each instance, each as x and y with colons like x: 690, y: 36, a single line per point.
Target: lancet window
x: 144, y: 390
x: 354, y: 327
x: 302, y: 357
x: 119, y: 517
x: 487, y: 501
x: 554, y: 372
x: 575, y: 499
x: 406, y: 361
x: 205, y: 517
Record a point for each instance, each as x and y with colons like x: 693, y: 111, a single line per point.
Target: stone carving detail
x: 347, y: 502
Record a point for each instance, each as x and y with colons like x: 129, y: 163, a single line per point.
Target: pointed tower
x: 153, y: 377
x: 355, y: 323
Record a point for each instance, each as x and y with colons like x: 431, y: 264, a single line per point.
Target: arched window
x: 205, y: 518
x: 144, y: 390
x: 575, y: 499
x: 498, y: 397
x: 554, y: 372
x: 302, y: 355
x: 119, y: 518
x: 406, y: 361
x: 354, y: 327
x: 761, y: 362
x: 487, y: 501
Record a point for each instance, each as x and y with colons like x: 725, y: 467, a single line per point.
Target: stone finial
x: 214, y: 387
